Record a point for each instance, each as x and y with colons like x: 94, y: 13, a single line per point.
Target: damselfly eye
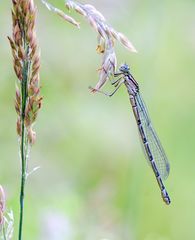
x: 124, y: 68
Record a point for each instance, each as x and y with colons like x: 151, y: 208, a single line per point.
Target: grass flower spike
x: 107, y: 35
x: 26, y: 60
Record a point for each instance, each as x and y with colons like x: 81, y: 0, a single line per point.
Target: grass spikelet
x: 61, y: 13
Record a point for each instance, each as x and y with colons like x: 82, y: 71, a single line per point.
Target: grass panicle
x: 26, y: 61
x: 106, y: 38
x: 107, y: 35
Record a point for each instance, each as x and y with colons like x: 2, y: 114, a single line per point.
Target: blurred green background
x: 94, y: 182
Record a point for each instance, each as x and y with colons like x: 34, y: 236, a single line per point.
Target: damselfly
x: 151, y: 143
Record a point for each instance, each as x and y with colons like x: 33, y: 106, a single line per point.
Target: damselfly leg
x: 118, y: 82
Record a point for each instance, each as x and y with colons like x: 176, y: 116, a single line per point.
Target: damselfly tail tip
x: 167, y: 201
x: 166, y: 197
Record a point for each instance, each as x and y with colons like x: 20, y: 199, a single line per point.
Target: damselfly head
x: 124, y: 68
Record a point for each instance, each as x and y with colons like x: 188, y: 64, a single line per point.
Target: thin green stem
x: 23, y: 144
x: 23, y: 180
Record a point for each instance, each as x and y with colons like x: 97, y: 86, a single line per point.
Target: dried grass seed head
x: 106, y: 37
x: 105, y: 32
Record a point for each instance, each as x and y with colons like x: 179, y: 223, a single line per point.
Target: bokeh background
x: 94, y: 182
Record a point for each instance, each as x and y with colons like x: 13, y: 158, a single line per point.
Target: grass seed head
x: 26, y: 58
